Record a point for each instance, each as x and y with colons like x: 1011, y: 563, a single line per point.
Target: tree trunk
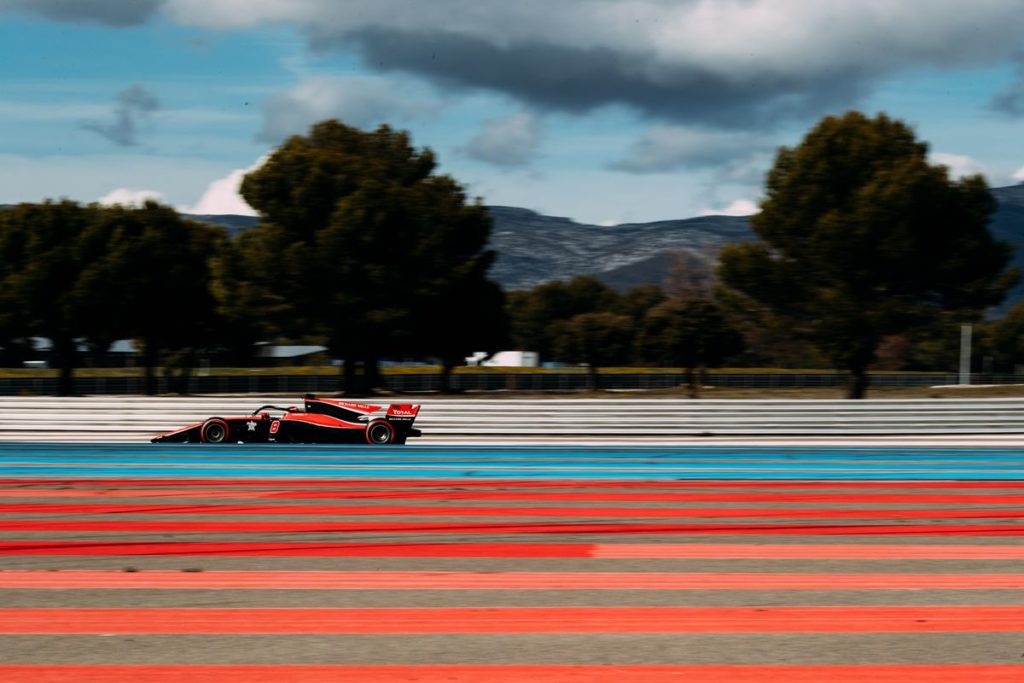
x: 355, y: 378
x: 857, y: 383
x: 444, y: 382
x: 696, y: 380
x: 65, y: 353
x: 595, y: 380
x: 182, y: 380
x: 857, y: 363
x: 373, y: 379
x: 178, y: 371
x: 150, y: 354
x: 347, y: 376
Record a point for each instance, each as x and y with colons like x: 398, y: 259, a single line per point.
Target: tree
x: 1004, y: 339
x: 860, y: 238
x: 690, y: 274
x: 359, y: 238
x: 44, y: 249
x: 153, y: 283
x: 637, y: 301
x: 597, y: 339
x: 247, y: 312
x: 692, y: 333
x: 768, y: 338
x: 534, y: 313
x: 451, y: 333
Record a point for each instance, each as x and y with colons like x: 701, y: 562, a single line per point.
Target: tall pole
x: 965, y: 354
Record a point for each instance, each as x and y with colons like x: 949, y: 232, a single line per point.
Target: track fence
x: 483, y: 382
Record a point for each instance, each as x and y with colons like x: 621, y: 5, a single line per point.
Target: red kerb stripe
x: 957, y: 619
x: 412, y: 580
x: 829, y: 551
x: 315, y: 527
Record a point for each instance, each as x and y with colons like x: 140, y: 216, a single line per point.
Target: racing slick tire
x: 214, y: 430
x: 380, y: 433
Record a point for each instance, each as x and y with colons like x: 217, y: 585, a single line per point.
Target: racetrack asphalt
x: 541, y: 564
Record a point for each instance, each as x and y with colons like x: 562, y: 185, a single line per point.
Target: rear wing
x: 403, y: 412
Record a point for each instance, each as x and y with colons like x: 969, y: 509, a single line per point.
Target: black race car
x: 322, y: 421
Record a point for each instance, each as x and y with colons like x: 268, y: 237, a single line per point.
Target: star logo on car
x: 252, y: 426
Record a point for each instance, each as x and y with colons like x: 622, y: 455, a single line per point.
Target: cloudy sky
x: 604, y: 111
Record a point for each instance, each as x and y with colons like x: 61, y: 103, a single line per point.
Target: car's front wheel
x: 214, y: 430
x: 380, y: 433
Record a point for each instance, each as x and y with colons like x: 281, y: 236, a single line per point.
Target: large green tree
x: 535, y: 314
x: 44, y: 251
x: 861, y: 237
x: 692, y: 333
x: 595, y: 339
x: 460, y: 318
x: 92, y: 274
x: 1003, y: 339
x: 152, y: 283
x: 363, y: 245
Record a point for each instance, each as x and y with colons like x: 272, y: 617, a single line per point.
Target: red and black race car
x: 322, y: 421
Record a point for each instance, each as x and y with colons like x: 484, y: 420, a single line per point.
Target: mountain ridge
x: 533, y: 248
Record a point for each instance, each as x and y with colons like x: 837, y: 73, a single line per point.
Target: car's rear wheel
x: 380, y: 433
x: 214, y: 430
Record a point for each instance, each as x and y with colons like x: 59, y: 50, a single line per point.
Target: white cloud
x: 222, y: 197
x: 667, y: 148
x: 738, y: 207
x: 357, y: 101
x: 112, y: 12
x: 219, y: 197
x: 1018, y: 175
x: 718, y: 62
x: 85, y: 177
x: 508, y: 141
x: 959, y: 165
x: 765, y: 32
x: 128, y: 197
x: 713, y: 62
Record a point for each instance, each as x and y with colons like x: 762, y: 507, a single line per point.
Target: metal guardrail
x: 138, y: 418
x: 546, y: 381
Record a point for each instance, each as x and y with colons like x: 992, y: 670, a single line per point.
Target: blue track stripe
x: 584, y: 463
x: 894, y: 476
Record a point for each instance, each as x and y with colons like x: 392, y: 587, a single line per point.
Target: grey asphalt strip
x: 548, y: 648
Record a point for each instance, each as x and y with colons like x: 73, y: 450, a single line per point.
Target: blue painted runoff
x: 640, y: 463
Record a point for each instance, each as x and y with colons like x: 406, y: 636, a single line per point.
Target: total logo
x: 400, y: 411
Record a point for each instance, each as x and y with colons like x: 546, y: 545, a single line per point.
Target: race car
x: 323, y: 420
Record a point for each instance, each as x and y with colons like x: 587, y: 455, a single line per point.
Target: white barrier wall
x: 113, y: 418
